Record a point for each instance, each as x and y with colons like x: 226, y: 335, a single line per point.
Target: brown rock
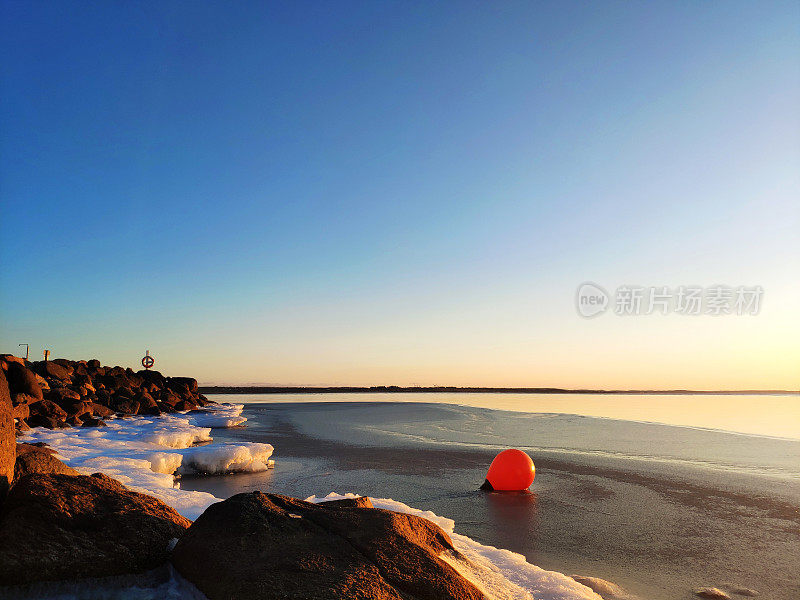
x: 50, y: 368
x: 46, y: 413
x: 20, y: 411
x: 126, y: 407
x: 268, y: 546
x: 48, y: 408
x: 9, y: 358
x: 23, y: 399
x: 63, y: 394
x: 66, y: 363
x: 146, y: 399
x: 33, y: 458
x: 80, y: 368
x: 147, y: 405
x: 82, y: 526
x: 152, y: 377
x: 78, y: 409
x: 7, y: 438
x: 53, y: 384
x: 100, y: 410
x: 124, y: 392
x: 359, y: 502
x: 170, y: 397
x: 22, y: 380
x: 43, y: 383
x: 114, y: 382
x: 180, y: 383
x: 185, y: 405
x: 45, y: 421
x: 92, y: 422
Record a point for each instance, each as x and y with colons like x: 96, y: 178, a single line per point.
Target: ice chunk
x: 226, y: 458
x: 217, y: 415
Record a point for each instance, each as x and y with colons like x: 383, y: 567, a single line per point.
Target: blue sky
x: 372, y: 192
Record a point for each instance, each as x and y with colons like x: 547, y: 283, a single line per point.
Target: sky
x: 401, y: 193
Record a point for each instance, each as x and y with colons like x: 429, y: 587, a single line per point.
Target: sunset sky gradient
x: 401, y: 192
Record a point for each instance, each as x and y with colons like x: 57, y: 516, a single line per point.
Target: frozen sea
x: 627, y: 489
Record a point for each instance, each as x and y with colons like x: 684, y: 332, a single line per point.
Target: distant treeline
x: 395, y: 389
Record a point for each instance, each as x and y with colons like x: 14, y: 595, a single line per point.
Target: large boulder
x: 9, y: 358
x: 150, y: 376
x: 63, y: 394
x: 78, y: 408
x: 63, y: 527
x: 52, y: 369
x: 48, y: 408
x: 35, y: 458
x: 7, y: 438
x: 179, y: 384
x: 100, y: 410
x: 125, y: 406
x: 22, y: 380
x: 268, y: 546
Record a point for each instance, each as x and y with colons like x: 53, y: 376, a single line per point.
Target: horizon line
x: 329, y: 389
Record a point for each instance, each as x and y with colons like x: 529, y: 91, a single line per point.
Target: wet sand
x: 660, y: 533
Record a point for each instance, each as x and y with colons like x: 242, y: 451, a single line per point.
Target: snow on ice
x: 146, y: 452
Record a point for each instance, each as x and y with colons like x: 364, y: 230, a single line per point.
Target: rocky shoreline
x: 60, y: 526
x: 62, y: 393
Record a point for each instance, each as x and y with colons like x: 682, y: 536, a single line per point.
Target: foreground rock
x: 64, y: 527
x: 268, y: 546
x: 62, y: 393
x: 39, y: 459
x: 7, y: 451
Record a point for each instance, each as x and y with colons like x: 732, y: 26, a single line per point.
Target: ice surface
x: 146, y: 452
x: 217, y: 415
x: 499, y: 574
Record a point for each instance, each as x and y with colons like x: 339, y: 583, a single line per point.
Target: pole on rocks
x: 147, y: 360
x: 46, y: 355
x: 27, y: 349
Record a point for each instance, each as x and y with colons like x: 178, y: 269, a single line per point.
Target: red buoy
x: 511, y: 471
